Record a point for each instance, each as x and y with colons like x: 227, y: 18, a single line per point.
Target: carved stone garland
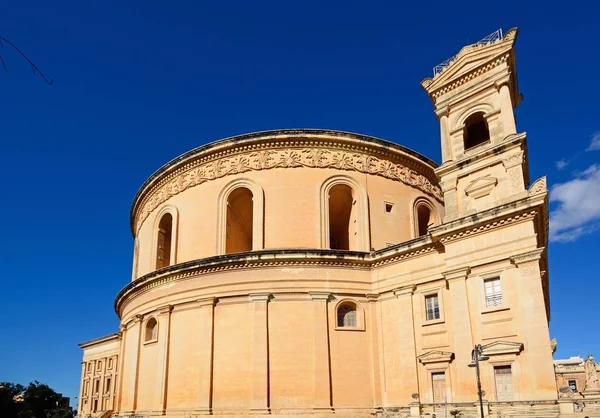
x: 286, y: 158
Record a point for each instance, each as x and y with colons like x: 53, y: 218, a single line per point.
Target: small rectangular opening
x: 389, y: 207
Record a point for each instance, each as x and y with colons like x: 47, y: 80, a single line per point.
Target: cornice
x: 520, y: 210
x: 527, y: 257
x: 501, y: 216
x: 291, y: 257
x: 508, y: 143
x: 284, y: 149
x: 99, y: 340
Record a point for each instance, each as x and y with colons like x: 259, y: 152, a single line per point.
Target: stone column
x: 531, y: 307
x: 260, y: 353
x: 321, y: 366
x: 442, y: 115
x: 206, y: 350
x: 407, y: 349
x: 506, y: 108
x: 162, y: 358
x: 464, y: 386
x: 80, y: 404
x: 374, y: 337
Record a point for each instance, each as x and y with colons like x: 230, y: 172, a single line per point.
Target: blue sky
x: 140, y: 82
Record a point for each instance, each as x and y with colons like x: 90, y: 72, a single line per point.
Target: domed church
x: 319, y: 272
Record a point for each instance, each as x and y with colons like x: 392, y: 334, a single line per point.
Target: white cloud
x: 578, y: 211
x: 595, y: 142
x: 560, y: 164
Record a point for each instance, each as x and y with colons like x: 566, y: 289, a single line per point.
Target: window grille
x: 493, y: 292
x: 432, y: 306
x: 347, y: 316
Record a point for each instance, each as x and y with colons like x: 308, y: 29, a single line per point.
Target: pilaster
x: 407, y: 349
x: 135, y: 328
x: 119, y: 366
x: 162, y: 363
x: 448, y: 186
x: 205, y: 330
x: 80, y: 404
x: 462, y: 336
x: 260, y: 353
x: 513, y: 164
x: 321, y: 366
x: 531, y: 308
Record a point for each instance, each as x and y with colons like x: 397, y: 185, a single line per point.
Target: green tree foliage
x: 36, y: 400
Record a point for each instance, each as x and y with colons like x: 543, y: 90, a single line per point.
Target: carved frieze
x: 285, y: 158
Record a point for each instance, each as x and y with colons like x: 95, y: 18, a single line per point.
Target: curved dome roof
x: 278, y: 137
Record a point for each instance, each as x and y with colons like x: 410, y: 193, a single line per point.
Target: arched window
x: 164, y: 241
x: 476, y: 130
x: 342, y: 218
x: 424, y: 217
x: 151, y: 330
x: 346, y: 315
x: 239, y: 229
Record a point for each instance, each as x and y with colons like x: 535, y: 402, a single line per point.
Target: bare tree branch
x: 34, y: 67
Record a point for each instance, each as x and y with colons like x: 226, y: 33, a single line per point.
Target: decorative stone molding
x: 470, y: 76
x: 209, y: 301
x: 260, y: 297
x: 442, y: 111
x: 538, y: 187
x: 528, y: 263
x: 459, y: 273
x: 200, y: 171
x: 481, y: 187
x: 488, y: 225
x: 513, y: 160
x: 166, y: 309
x: 405, y: 290
x: 527, y: 257
x: 320, y: 296
x: 436, y: 357
x: 502, y: 347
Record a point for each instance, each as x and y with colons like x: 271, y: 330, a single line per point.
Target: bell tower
x: 474, y: 95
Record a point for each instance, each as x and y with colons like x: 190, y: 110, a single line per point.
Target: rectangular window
x: 86, y: 388
x: 110, y: 363
x: 573, y: 385
x: 432, y: 306
x: 493, y: 293
x: 107, y: 389
x: 89, y: 367
x: 96, y: 386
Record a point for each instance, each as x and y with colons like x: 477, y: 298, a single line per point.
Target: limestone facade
x: 99, y: 374
x: 298, y: 272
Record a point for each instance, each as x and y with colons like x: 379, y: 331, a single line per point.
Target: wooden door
x: 438, y: 382
x: 504, y: 383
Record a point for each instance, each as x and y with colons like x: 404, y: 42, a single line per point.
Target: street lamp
x: 477, y: 356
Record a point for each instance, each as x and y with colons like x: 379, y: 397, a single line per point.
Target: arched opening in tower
x: 239, y: 221
x: 476, y: 130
